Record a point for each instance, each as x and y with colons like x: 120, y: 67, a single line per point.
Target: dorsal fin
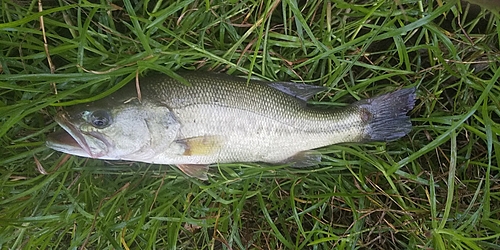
x: 298, y: 90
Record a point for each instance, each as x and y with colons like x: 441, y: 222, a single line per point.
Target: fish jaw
x: 71, y: 140
x: 62, y: 141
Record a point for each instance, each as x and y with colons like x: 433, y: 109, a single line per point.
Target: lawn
x: 436, y: 188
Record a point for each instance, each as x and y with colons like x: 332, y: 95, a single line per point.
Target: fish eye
x: 100, y: 119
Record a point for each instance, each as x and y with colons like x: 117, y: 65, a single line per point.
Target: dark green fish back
x: 381, y: 118
x: 229, y: 91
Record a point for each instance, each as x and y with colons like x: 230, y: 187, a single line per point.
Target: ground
x: 436, y: 188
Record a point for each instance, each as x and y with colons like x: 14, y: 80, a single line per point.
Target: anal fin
x: 195, y: 170
x: 304, y: 159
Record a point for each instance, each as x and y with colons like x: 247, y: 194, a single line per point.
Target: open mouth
x: 70, y: 140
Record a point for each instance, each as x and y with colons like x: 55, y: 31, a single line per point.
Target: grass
x: 437, y: 188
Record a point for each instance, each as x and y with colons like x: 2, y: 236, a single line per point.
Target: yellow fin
x: 195, y: 170
x: 201, y: 145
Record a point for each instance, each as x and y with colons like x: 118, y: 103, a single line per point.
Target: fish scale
x: 256, y: 96
x: 221, y: 119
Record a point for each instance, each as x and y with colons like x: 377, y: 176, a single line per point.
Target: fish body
x: 221, y: 119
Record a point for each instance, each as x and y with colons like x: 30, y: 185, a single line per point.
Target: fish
x: 206, y: 118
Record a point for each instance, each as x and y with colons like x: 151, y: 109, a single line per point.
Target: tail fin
x: 386, y: 115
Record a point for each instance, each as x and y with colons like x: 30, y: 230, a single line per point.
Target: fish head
x: 101, y: 131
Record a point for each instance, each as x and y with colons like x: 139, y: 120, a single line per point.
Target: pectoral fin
x: 195, y: 170
x: 201, y: 145
x: 304, y: 159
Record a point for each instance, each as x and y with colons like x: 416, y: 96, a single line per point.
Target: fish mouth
x: 64, y: 142
x: 71, y: 140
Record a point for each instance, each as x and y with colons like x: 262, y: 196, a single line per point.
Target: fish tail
x: 386, y: 115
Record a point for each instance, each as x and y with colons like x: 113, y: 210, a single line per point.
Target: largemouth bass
x: 221, y: 119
